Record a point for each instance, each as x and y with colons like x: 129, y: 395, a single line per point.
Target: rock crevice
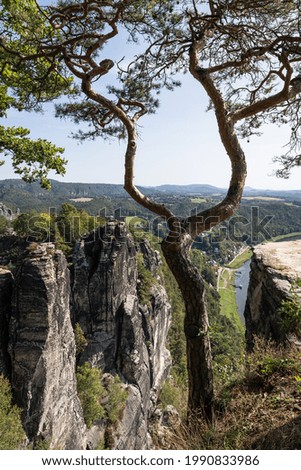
x: 124, y: 337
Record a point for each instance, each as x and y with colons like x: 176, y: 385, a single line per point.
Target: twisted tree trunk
x: 178, y: 243
x: 196, y: 326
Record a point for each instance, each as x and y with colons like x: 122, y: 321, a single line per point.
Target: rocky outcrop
x: 274, y: 267
x: 6, y: 282
x: 5, y: 212
x: 42, y: 350
x: 124, y: 337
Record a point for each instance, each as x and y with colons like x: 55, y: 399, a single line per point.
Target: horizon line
x: 147, y: 186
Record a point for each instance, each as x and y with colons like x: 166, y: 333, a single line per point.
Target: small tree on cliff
x: 246, y: 57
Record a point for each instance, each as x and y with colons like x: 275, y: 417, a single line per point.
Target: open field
x: 228, y: 298
x: 262, y: 198
x: 288, y: 235
x: 240, y: 259
x: 198, y: 200
x: 82, y: 199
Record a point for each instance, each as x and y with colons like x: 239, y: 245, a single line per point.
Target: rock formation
x: 274, y: 267
x: 124, y: 338
x: 6, y: 282
x: 5, y: 212
x: 42, y: 350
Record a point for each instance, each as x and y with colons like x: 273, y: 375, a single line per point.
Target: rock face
x: 125, y: 338
x: 274, y: 267
x: 6, y: 283
x: 5, y: 212
x: 42, y: 350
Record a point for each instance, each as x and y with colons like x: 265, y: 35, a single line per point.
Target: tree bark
x: 196, y: 325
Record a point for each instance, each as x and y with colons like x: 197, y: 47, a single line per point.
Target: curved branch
x: 133, y: 191
x: 207, y: 219
x: 129, y: 186
x: 272, y: 101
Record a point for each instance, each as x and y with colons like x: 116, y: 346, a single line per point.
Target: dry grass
x: 262, y: 411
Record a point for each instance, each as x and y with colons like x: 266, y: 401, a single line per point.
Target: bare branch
x: 271, y: 101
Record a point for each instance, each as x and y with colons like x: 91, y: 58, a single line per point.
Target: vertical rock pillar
x: 6, y: 282
x: 42, y: 350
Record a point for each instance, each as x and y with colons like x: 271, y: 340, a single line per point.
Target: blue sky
x: 178, y: 145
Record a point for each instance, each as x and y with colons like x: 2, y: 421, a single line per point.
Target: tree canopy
x: 26, y: 85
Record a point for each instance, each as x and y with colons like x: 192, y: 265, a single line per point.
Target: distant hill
x: 191, y: 189
x: 16, y: 194
x: 209, y: 190
x: 62, y: 189
x: 292, y: 195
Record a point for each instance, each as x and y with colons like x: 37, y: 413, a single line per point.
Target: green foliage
x: 226, y: 331
x: 101, y: 444
x: 227, y: 344
x: 3, y: 224
x: 65, y: 229
x: 137, y: 227
x: 33, y: 225
x: 80, y: 340
x: 11, y: 430
x: 281, y: 365
x: 73, y: 223
x: 117, y: 400
x: 31, y: 159
x: 26, y: 85
x: 201, y: 262
x: 290, y: 310
x: 90, y: 392
x: 240, y: 259
x: 37, y: 79
x: 41, y: 444
x: 146, y: 281
x: 174, y: 392
x: 268, y: 360
x: 176, y: 336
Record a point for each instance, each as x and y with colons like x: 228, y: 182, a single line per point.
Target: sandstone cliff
x: 274, y: 267
x: 42, y: 350
x: 37, y: 346
x: 6, y: 283
x: 124, y: 338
